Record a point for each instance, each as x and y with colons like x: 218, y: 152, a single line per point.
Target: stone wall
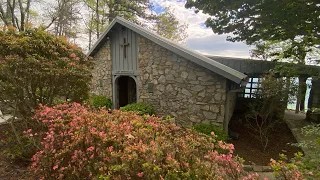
x: 102, y: 72
x: 178, y: 87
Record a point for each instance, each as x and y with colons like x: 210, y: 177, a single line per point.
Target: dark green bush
x: 208, y: 128
x: 140, y: 108
x: 98, y: 101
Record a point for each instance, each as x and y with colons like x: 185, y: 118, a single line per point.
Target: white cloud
x: 200, y: 38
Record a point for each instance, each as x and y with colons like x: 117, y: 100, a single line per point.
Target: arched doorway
x: 126, y: 91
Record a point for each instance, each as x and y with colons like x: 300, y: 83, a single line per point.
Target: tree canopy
x: 255, y: 20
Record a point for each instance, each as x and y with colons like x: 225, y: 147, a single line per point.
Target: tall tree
x: 253, y: 21
x: 64, y: 15
x: 167, y: 25
x: 15, y: 13
x: 102, y: 12
x: 105, y: 11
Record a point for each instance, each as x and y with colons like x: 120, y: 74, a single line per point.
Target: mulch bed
x: 249, y: 148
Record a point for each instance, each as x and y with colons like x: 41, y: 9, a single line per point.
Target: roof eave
x: 199, y: 59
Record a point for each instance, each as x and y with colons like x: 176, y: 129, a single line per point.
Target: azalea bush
x: 302, y: 167
x: 83, y: 144
x: 294, y: 168
x: 140, y: 108
x: 37, y: 67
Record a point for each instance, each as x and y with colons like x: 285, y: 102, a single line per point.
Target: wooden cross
x: 124, y: 45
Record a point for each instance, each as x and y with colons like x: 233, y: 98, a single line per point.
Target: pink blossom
x: 140, y: 174
x: 91, y: 148
x: 55, y: 167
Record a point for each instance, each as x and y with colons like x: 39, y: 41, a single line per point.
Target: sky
x: 201, y: 38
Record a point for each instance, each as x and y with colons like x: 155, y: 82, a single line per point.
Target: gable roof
x: 188, y: 54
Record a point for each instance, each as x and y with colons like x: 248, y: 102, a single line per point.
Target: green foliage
x: 311, y: 162
x: 37, y: 67
x: 98, y: 101
x: 85, y: 144
x: 169, y: 27
x: 294, y: 168
x: 301, y: 167
x: 209, y: 128
x: 267, y: 106
x: 255, y: 20
x: 15, y: 144
x: 140, y: 108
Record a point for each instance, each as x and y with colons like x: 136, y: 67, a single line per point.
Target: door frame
x: 115, y: 95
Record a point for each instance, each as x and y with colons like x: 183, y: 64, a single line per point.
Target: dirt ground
x: 249, y: 147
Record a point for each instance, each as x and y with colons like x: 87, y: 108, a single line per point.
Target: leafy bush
x: 84, y: 144
x: 18, y: 150
x: 98, y: 101
x: 209, y: 128
x: 302, y: 167
x: 267, y: 107
x: 293, y: 169
x: 36, y: 67
x: 140, y: 108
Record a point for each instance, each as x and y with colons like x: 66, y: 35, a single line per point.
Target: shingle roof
x: 191, y: 55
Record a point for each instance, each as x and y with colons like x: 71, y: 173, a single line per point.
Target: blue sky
x: 201, y: 38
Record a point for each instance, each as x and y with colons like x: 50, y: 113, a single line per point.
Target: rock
x: 197, y: 88
x: 169, y: 88
x: 218, y: 97
x: 160, y: 87
x: 155, y: 72
x: 209, y: 115
x: 202, y: 94
x: 192, y: 76
x: 186, y: 92
x: 162, y: 79
x: 205, y: 107
x: 214, y: 108
x: 184, y: 74
x: 194, y: 119
x: 204, y: 78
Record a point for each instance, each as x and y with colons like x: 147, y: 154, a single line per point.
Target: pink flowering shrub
x: 84, y: 144
x: 295, y: 169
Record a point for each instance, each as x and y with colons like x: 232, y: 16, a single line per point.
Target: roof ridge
x: 185, y: 52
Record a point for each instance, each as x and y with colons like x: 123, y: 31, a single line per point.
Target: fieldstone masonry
x: 181, y: 88
x: 102, y: 72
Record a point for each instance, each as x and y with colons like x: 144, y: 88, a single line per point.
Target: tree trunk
x: 97, y: 19
x: 298, y: 99
x: 303, y: 89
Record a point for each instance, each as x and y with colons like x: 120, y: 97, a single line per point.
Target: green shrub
x: 140, y: 108
x: 117, y: 145
x: 98, y: 101
x: 37, y: 67
x: 208, y: 128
